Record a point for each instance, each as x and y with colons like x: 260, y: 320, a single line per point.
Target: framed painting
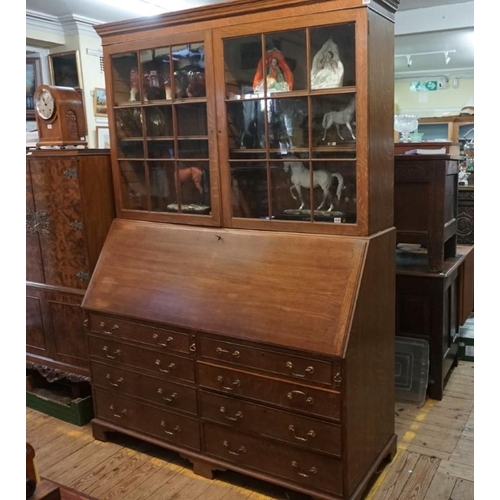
x: 65, y: 69
x: 33, y: 79
x: 100, y: 107
x: 103, y: 141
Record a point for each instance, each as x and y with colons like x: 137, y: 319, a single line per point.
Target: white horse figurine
x: 338, y: 118
x: 321, y: 178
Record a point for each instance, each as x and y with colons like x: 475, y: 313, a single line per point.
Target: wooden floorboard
x: 434, y: 459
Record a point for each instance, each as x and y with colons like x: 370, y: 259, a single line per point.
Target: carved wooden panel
x: 66, y: 325
x: 465, y: 219
x: 34, y: 264
x: 57, y: 194
x: 35, y: 336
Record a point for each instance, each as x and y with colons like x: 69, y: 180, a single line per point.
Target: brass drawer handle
x: 291, y: 394
x: 119, y: 381
x: 236, y: 383
x: 156, y: 337
x: 311, y: 434
x: 309, y: 370
x: 115, y: 354
x: 337, y: 378
x: 102, y: 324
x: 192, y: 347
x: 172, y: 397
x: 177, y: 428
x: 241, y: 449
x: 312, y: 471
x: 219, y: 350
x: 237, y: 415
x: 171, y: 367
x: 124, y: 412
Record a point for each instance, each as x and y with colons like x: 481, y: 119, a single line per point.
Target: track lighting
x: 409, y: 57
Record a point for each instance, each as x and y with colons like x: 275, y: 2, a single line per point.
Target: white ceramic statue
x: 327, y: 69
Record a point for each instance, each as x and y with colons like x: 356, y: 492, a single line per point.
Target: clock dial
x: 44, y: 103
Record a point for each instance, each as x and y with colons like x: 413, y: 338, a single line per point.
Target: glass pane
x: 160, y: 149
x: 192, y: 120
x: 133, y: 185
x: 287, y: 124
x: 155, y: 64
x: 433, y: 131
x: 191, y: 149
x: 466, y: 129
x: 333, y: 56
x: 189, y: 70
x: 241, y: 57
x: 194, y: 186
x: 125, y: 78
x: 285, y: 63
x: 334, y: 118
x: 128, y: 148
x: 162, y: 185
x: 249, y: 189
x: 128, y: 122
x: 246, y: 124
x: 159, y: 121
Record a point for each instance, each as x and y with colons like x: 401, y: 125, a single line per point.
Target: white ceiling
x: 460, y: 40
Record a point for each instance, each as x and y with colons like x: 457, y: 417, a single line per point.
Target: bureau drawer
x: 160, y: 363
x: 300, y: 466
x: 268, y: 422
x: 164, y: 339
x: 124, y: 382
x: 295, y: 367
x: 310, y: 400
x: 171, y: 427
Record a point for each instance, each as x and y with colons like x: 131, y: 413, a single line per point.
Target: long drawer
x: 180, y: 430
x: 161, y: 392
x: 290, y: 366
x: 285, y: 426
x: 165, y: 339
x: 300, y: 466
x: 291, y: 396
x: 157, y: 362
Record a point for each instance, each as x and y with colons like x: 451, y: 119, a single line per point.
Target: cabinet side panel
x: 380, y: 123
x: 35, y: 336
x: 34, y: 263
x: 97, y: 202
x: 369, y: 395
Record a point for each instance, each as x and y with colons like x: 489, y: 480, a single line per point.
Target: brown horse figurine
x: 195, y: 174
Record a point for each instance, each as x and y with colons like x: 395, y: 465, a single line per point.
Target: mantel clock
x: 60, y: 116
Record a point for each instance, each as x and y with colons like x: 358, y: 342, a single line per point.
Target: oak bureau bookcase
x: 242, y: 309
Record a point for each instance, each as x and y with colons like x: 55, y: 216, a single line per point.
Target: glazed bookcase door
x: 291, y: 107
x: 165, y: 158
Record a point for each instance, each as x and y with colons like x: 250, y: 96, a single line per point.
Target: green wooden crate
x: 77, y: 411
x: 466, y: 345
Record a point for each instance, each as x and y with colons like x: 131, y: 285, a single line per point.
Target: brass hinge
x: 83, y: 275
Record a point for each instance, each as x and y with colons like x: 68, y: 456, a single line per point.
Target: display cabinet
x: 242, y: 310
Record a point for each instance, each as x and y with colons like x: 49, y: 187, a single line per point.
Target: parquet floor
x: 435, y: 458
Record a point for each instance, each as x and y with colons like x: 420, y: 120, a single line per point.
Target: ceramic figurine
x: 279, y: 77
x: 327, y: 69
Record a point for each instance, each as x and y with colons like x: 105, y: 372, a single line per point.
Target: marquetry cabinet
x: 69, y: 208
x: 242, y: 310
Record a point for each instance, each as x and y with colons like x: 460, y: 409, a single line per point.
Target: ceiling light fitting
x: 409, y: 57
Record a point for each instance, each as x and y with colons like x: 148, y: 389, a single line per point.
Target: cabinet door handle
x: 308, y: 370
x: 291, y: 394
x: 102, y: 325
x: 171, y: 366
x: 311, y: 434
x: 192, y: 347
x: 219, y: 350
x: 237, y: 415
x: 115, y: 354
x: 172, y: 397
x: 119, y: 381
x: 240, y: 451
x: 312, y: 471
x: 156, y: 337
x: 124, y: 412
x: 177, y: 428
x: 236, y: 383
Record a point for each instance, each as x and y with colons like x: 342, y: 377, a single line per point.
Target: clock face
x: 44, y: 103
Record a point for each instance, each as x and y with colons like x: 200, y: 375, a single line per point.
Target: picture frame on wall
x: 64, y: 69
x: 33, y: 79
x: 102, y: 137
x: 100, y: 106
